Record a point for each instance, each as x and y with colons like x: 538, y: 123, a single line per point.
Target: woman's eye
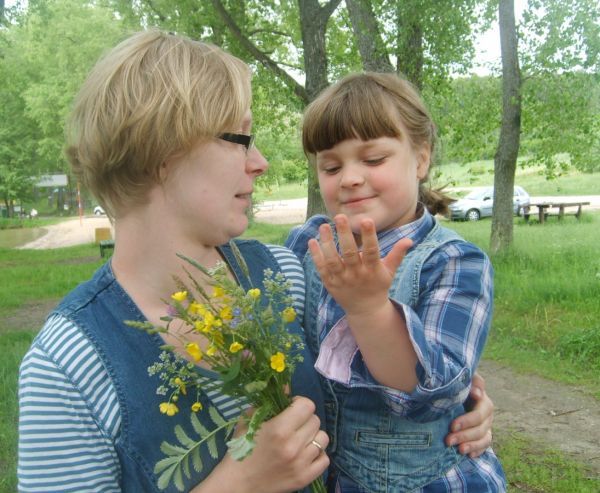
x: 331, y: 170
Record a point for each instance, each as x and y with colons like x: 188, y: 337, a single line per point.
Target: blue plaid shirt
x: 448, y: 328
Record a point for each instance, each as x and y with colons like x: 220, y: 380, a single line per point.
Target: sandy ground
x: 75, y: 231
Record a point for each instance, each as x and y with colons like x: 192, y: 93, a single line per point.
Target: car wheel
x: 472, y: 215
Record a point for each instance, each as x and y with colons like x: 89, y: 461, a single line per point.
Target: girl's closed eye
x: 374, y: 161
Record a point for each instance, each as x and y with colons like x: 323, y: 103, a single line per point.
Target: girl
x: 397, y: 339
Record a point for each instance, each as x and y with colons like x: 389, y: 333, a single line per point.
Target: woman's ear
x: 423, y: 161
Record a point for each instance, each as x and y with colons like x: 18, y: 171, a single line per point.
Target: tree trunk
x: 505, y: 160
x: 373, y: 53
x: 313, y: 25
x: 410, y: 45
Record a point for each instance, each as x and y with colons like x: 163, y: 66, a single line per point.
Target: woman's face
x: 208, y: 191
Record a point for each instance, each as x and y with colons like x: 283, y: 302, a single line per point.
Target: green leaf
x: 185, y: 440
x: 165, y: 478
x: 241, y: 447
x: 196, y: 460
x: 215, y: 416
x: 254, y: 387
x: 170, y: 449
x: 186, y: 466
x: 199, y: 427
x: 212, y: 447
x: 234, y: 371
x: 162, y: 464
x: 178, y: 479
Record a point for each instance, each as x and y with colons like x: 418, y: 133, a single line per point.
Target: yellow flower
x: 181, y: 384
x: 168, y: 408
x: 218, y: 292
x: 179, y: 296
x: 278, y: 362
x: 226, y: 313
x: 235, y: 347
x: 210, y: 321
x: 196, y: 406
x: 254, y: 293
x: 289, y: 314
x: 199, y: 326
x: 212, y: 350
x: 197, y: 308
x: 194, y: 350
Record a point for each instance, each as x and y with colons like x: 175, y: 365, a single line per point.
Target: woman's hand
x: 285, y: 459
x: 472, y: 431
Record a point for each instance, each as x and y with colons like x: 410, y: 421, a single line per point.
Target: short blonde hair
x: 368, y: 106
x: 151, y: 97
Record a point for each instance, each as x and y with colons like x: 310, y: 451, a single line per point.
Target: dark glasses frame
x: 246, y: 140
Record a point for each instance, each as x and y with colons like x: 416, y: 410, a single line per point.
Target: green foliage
x: 176, y: 464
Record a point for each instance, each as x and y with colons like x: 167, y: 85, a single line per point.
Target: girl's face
x: 209, y: 190
x: 377, y: 179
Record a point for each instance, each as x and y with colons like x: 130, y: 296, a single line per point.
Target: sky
x: 487, y: 46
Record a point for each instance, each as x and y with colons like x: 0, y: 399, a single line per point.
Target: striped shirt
x: 69, y: 415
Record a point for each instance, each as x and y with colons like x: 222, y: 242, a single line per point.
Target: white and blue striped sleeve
x: 292, y: 269
x: 68, y: 415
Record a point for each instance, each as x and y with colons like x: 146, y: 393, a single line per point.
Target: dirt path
x: 560, y: 416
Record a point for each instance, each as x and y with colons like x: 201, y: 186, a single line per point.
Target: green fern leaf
x: 186, y: 466
x: 212, y: 447
x: 178, y: 479
x: 185, y: 440
x: 162, y: 464
x: 170, y: 449
x: 199, y: 427
x: 215, y: 416
x: 165, y: 478
x: 196, y: 461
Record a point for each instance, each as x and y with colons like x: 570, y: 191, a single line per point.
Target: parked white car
x: 99, y: 211
x: 479, y: 203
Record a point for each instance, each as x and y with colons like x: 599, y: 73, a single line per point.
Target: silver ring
x: 318, y: 445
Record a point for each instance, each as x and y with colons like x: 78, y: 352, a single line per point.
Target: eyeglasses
x: 246, y: 140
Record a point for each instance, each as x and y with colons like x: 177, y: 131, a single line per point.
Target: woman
x: 161, y: 135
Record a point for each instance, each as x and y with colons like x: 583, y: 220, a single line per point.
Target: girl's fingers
x: 332, y: 261
x: 347, y: 242
x: 393, y: 259
x: 370, y: 245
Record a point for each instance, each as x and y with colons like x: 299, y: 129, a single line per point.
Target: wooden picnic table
x: 545, y: 205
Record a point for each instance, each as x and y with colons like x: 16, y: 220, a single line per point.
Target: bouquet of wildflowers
x: 245, y: 340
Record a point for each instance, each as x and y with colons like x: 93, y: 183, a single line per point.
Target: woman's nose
x: 256, y: 164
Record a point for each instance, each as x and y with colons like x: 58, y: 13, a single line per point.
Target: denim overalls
x: 380, y: 450
x: 99, y: 307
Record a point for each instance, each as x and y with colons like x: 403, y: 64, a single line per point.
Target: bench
x: 547, y: 207
x: 106, y: 247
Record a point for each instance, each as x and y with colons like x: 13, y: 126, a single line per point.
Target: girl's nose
x: 256, y: 164
x: 351, y: 176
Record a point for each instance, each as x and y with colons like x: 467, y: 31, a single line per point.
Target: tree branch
x: 298, y: 89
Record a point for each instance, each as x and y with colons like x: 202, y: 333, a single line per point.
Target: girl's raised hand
x: 357, y: 278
